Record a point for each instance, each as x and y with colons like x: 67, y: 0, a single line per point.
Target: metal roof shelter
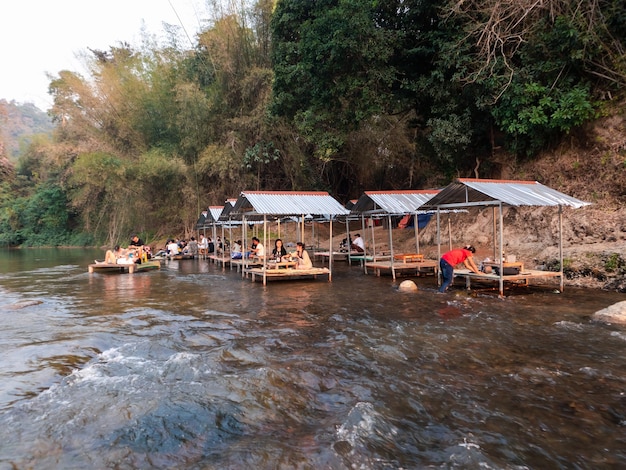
x: 272, y: 205
x: 392, y: 203
x: 209, y: 219
x: 471, y: 192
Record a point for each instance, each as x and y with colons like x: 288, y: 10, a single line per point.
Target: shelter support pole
x: 330, y: 250
x: 438, y: 245
x: 265, y: 248
x: 562, y: 283
x: 373, y: 241
x: 449, y: 233
x: 393, y: 271
x: 364, y: 251
x: 347, y: 241
x: 417, y: 233
x: 501, y: 223
x: 493, y: 217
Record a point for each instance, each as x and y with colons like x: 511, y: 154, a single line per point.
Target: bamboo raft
x: 124, y: 268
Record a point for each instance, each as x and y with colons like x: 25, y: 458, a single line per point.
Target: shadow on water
x: 192, y: 366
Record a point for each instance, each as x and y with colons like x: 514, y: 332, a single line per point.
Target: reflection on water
x: 194, y: 367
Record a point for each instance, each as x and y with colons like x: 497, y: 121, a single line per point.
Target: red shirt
x: 455, y: 257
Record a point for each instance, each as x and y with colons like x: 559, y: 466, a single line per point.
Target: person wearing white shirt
x: 172, y: 248
x: 257, y: 250
x: 358, y: 244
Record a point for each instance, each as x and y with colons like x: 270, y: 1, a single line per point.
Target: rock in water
x: 24, y: 304
x: 615, y: 313
x: 407, y: 286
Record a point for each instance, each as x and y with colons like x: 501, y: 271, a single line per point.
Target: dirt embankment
x: 590, y: 166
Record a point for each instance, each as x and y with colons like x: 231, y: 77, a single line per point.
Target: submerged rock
x: 407, y: 286
x: 24, y: 304
x: 615, y: 313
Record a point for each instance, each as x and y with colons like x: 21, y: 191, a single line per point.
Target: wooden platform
x: 337, y: 255
x: 243, y: 264
x: 220, y: 260
x: 522, y: 278
x: 417, y: 267
x: 124, y: 268
x: 282, y: 273
x: 181, y: 256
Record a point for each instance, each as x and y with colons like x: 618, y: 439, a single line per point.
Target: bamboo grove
x: 338, y: 95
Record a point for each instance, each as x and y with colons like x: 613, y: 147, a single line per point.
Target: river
x: 193, y: 367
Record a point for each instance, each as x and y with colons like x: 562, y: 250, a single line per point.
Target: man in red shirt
x: 453, y: 257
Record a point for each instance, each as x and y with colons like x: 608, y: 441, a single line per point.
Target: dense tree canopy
x: 343, y: 95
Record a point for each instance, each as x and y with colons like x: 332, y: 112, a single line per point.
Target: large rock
x: 407, y: 286
x: 615, y: 313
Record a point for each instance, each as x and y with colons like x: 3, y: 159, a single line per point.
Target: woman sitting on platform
x: 302, y: 257
x: 235, y: 251
x: 112, y: 256
x: 279, y: 250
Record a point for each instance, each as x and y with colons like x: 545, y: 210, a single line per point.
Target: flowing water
x: 193, y: 367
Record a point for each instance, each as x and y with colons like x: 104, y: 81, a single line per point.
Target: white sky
x: 39, y: 36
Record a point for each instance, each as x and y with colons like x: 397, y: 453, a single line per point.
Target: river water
x: 193, y: 367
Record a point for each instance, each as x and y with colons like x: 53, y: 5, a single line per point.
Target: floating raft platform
x: 523, y: 277
x: 124, y: 268
x: 401, y: 267
x: 281, y: 273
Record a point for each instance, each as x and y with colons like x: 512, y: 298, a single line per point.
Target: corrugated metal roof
x: 226, y: 209
x: 215, y: 212
x: 469, y: 191
x: 201, y: 223
x: 392, y: 202
x: 296, y: 203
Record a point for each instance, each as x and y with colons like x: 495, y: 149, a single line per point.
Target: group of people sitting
x: 137, y: 252
x: 279, y: 253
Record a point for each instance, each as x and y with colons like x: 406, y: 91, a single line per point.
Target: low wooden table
x: 409, y: 257
x: 495, y: 264
x: 281, y: 265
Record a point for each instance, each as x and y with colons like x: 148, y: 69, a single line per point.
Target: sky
x: 39, y: 36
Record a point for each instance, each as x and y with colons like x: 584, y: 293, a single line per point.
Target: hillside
x: 18, y: 123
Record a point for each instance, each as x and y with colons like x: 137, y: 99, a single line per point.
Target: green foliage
x: 43, y: 219
x: 615, y: 263
x: 344, y: 95
x: 533, y: 113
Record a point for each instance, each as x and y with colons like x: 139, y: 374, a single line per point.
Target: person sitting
x: 192, y: 247
x: 172, y: 248
x: 203, y: 245
x: 302, y: 257
x: 279, y: 250
x: 235, y: 251
x: 257, y: 250
x: 358, y: 244
x: 136, y: 241
x: 112, y: 256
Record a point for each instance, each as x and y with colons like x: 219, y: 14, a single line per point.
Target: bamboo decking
x: 124, y: 268
x: 522, y: 278
x: 288, y: 273
x: 417, y: 267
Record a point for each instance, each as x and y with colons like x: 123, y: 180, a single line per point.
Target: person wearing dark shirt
x: 136, y: 241
x: 279, y: 250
